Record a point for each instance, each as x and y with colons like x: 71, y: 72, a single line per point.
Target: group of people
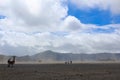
x: 68, y: 62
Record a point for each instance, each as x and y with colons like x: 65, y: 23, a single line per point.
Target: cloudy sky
x: 78, y: 26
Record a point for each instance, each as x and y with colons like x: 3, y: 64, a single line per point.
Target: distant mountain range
x: 56, y: 56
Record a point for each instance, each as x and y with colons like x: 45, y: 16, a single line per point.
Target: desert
x: 61, y: 71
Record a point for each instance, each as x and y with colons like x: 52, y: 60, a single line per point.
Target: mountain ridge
x: 56, y: 56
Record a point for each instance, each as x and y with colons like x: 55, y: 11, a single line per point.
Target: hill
x: 56, y: 56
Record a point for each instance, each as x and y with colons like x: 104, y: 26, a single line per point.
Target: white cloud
x: 72, y: 42
x: 29, y: 28
x: 34, y: 14
x: 71, y: 23
x: 94, y: 42
x: 113, y: 5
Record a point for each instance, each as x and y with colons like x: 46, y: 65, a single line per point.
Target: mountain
x: 50, y: 55
x: 56, y: 56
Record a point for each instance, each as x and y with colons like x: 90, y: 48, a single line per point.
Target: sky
x: 28, y: 27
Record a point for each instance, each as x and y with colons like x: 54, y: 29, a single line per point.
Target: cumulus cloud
x: 32, y: 26
x: 22, y: 43
x: 71, y: 23
x: 34, y: 14
x: 112, y: 5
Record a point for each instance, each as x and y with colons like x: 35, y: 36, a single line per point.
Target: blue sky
x: 2, y: 17
x: 77, y: 26
x: 94, y: 16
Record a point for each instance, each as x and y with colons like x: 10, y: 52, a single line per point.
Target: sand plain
x: 81, y: 71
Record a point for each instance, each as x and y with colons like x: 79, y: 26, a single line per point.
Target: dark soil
x: 84, y: 71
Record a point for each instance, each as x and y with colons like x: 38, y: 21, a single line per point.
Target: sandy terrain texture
x: 83, y: 71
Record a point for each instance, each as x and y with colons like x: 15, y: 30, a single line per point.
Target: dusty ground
x: 84, y: 71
